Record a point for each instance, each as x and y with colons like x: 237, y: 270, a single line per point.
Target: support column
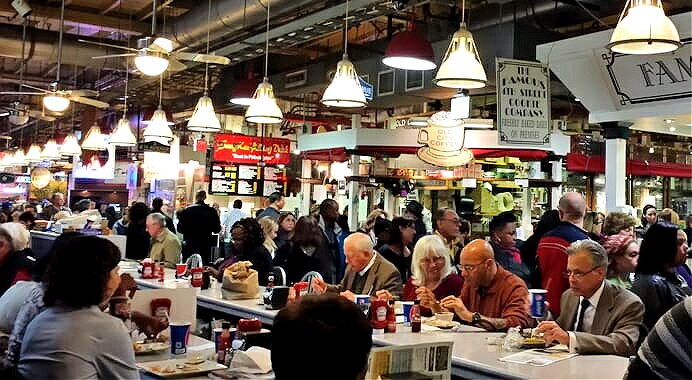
x: 353, y: 194
x: 616, y: 136
x: 556, y: 175
x: 305, y: 173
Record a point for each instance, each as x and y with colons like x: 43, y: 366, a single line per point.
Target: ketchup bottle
x: 378, y: 314
x: 415, y: 316
x: 391, y: 318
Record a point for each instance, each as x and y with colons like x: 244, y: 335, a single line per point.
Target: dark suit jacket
x: 616, y: 324
x: 382, y: 275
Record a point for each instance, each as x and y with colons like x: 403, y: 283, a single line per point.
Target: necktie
x: 584, y: 305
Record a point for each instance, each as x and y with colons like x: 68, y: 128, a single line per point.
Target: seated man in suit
x: 492, y: 297
x: 366, y: 273
x: 597, y: 317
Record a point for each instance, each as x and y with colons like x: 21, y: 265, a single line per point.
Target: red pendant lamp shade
x: 409, y: 50
x: 243, y: 90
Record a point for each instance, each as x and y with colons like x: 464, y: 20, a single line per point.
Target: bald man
x: 492, y: 297
x: 367, y: 272
x: 552, y: 248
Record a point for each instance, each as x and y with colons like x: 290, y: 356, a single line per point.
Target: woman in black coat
x: 298, y: 256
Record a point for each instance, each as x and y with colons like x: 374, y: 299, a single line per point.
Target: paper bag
x: 242, y: 280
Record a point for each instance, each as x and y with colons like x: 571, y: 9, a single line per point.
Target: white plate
x: 169, y: 368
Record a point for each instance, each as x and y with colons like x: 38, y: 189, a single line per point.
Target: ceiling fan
x: 54, y: 98
x: 154, y: 54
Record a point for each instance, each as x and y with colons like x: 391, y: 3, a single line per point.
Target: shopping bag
x: 241, y: 280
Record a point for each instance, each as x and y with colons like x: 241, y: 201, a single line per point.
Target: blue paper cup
x: 217, y: 334
x: 180, y: 336
x: 537, y: 302
x: 406, y: 306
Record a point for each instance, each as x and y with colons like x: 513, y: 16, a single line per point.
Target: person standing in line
x: 276, y: 203
x: 156, y: 205
x: 197, y: 223
x: 552, y: 248
x: 329, y: 252
x: 287, y: 223
x: 57, y: 203
x: 137, y: 243
x: 446, y: 223
x: 227, y: 222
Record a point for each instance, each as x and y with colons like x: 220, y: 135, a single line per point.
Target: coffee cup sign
x: 443, y: 141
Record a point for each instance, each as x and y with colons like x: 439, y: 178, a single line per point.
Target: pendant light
x: 204, y: 118
x: 345, y: 90
x: 51, y: 151
x: 122, y: 135
x: 409, y: 50
x: 264, y: 109
x: 149, y: 61
x: 461, y: 66
x: 94, y: 139
x: 19, y: 159
x: 158, y: 128
x: 70, y: 147
x: 645, y: 30
x: 54, y: 100
x: 34, y: 153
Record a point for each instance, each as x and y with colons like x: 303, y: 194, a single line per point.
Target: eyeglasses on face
x: 430, y: 260
x: 470, y: 268
x: 577, y: 274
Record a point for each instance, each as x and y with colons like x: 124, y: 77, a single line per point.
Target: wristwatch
x: 476, y: 318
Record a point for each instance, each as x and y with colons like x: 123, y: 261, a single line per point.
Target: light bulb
x: 55, y: 102
x: 151, y: 64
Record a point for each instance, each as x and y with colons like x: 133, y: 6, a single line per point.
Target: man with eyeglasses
x: 446, y: 223
x: 492, y: 297
x: 597, y: 317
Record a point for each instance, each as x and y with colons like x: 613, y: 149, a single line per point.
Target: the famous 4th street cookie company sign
x: 523, y: 102
x: 242, y: 149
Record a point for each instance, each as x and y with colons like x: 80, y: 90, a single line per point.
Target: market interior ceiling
x: 304, y: 32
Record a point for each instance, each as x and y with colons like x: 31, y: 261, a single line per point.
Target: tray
x: 150, y: 348
x: 168, y: 368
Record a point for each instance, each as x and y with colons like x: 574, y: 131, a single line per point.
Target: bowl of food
x: 445, y: 316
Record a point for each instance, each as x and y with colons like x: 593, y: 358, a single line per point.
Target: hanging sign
x: 523, y: 102
x: 40, y: 177
x: 242, y: 149
x: 367, y: 89
x: 443, y: 141
x: 154, y: 146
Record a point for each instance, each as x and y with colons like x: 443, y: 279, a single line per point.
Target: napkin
x: 255, y: 360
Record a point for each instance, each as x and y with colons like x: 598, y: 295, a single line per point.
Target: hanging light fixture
x: 94, y: 139
x: 243, y: 91
x: 645, y: 30
x: 264, y: 108
x: 409, y: 50
x: 158, y: 128
x: 204, y: 118
x: 70, y: 147
x: 461, y: 66
x: 149, y: 61
x: 56, y: 102
x: 345, y: 90
x: 50, y: 151
x: 122, y: 135
x: 19, y: 159
x: 34, y: 153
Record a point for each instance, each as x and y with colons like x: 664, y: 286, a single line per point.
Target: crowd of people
x: 610, y: 281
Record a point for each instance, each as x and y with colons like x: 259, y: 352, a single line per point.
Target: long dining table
x: 475, y: 354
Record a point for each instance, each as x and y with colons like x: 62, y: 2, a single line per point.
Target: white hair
x: 20, y: 235
x: 430, y: 245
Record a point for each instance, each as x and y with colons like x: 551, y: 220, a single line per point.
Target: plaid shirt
x: 31, y: 308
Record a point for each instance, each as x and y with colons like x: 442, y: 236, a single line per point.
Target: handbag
x: 241, y: 280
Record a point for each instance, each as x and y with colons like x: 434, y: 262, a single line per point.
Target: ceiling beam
x: 111, y: 7
x: 147, y: 13
x: 107, y: 23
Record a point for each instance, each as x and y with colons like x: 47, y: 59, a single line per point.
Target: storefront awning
x: 596, y: 164
x: 340, y: 154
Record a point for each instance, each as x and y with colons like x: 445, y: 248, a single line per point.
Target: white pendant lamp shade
x: 409, y: 50
x: 51, y: 151
x: 34, y: 153
x: 55, y: 102
x: 264, y: 109
x: 158, y: 128
x: 243, y: 91
x: 6, y: 160
x: 204, y: 118
x: 70, y: 147
x: 461, y: 67
x: 122, y: 135
x: 94, y: 140
x: 151, y: 62
x: 644, y: 30
x: 19, y: 159
x: 345, y: 90
x: 19, y: 118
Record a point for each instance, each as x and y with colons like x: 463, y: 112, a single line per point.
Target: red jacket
x: 552, y: 260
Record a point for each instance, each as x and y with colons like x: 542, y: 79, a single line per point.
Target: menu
x: 235, y: 179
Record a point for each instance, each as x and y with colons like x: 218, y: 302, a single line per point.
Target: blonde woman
x: 432, y: 275
x: 369, y: 225
x: 269, y: 229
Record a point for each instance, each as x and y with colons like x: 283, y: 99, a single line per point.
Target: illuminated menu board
x: 235, y: 179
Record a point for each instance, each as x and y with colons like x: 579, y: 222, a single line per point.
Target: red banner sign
x: 244, y: 149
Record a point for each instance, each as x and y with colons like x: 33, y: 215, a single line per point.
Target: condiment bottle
x: 378, y: 315
x: 147, y: 268
x: 391, y: 318
x: 160, y: 272
x: 196, y: 278
x: 224, y: 342
x: 415, y: 316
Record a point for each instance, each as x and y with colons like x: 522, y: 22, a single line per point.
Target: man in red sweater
x: 552, y: 248
x: 491, y: 298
